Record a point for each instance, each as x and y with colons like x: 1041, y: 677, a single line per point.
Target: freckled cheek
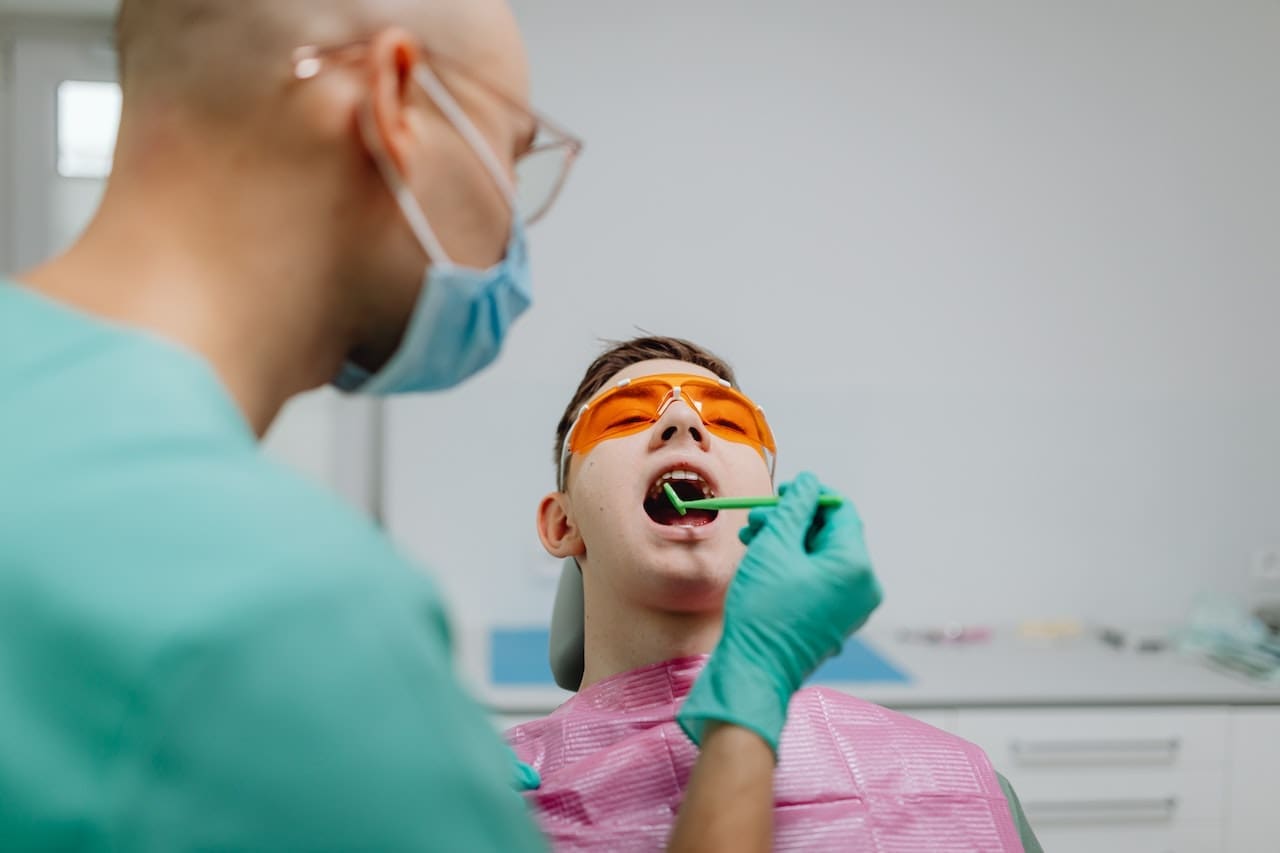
x: 599, y: 506
x: 748, y: 475
x: 606, y: 476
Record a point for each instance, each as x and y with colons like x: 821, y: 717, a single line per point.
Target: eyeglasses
x: 634, y: 405
x: 541, y: 169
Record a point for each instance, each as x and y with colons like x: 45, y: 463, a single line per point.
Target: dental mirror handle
x: 752, y: 503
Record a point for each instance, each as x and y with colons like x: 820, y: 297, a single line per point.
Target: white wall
x: 12, y: 28
x: 1007, y: 273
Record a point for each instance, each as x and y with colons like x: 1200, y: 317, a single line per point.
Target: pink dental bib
x: 851, y: 775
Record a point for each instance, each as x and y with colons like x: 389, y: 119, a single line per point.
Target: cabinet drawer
x: 1147, y: 770
x: 1204, y: 836
x: 1125, y: 737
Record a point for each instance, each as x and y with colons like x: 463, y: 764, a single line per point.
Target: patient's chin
x: 688, y: 589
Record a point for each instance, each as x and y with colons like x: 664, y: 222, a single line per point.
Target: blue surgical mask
x: 462, y: 315
x: 459, y: 323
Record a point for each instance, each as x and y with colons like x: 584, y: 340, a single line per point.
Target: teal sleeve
x: 336, y: 726
x: 1029, y: 841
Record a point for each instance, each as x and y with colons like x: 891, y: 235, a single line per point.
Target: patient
x: 641, y: 609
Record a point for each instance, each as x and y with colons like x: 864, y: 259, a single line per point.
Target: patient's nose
x: 680, y: 424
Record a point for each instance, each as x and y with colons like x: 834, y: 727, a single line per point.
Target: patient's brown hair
x: 621, y: 354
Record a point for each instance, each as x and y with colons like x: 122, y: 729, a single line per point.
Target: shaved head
x: 302, y: 179
x: 214, y: 56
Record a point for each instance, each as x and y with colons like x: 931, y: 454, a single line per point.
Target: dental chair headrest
x: 567, y: 647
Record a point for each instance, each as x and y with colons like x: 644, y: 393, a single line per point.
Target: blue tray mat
x: 518, y: 658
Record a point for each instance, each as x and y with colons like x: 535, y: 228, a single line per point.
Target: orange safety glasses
x: 634, y: 405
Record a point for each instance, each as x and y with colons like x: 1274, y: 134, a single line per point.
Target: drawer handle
x: 1046, y: 812
x: 1145, y: 751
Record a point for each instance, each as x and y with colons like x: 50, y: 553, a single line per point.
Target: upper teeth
x: 684, y: 474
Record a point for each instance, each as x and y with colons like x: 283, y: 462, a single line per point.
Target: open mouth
x: 690, y: 486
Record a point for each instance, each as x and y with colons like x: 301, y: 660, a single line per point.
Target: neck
x: 212, y: 264
x: 625, y: 637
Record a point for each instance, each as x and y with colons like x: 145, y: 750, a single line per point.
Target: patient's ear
x: 556, y: 527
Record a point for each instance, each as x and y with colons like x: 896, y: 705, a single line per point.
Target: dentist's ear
x: 393, y: 54
x: 556, y: 527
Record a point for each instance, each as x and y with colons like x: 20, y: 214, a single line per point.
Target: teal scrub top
x: 198, y: 648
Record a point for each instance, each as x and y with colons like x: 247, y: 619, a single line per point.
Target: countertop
x: 1005, y: 671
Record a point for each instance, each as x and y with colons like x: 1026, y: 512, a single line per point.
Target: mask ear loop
x: 409, y: 205
x: 446, y: 103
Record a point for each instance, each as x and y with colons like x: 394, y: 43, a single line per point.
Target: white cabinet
x: 1253, y: 790
x: 1139, y: 780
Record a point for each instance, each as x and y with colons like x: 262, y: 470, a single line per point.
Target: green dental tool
x: 683, y: 506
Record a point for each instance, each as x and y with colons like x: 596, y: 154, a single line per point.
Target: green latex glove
x: 523, y: 776
x: 804, y: 585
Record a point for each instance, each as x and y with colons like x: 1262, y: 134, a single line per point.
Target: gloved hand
x: 804, y: 585
x: 523, y: 776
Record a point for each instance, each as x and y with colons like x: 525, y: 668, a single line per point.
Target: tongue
x: 660, y: 510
